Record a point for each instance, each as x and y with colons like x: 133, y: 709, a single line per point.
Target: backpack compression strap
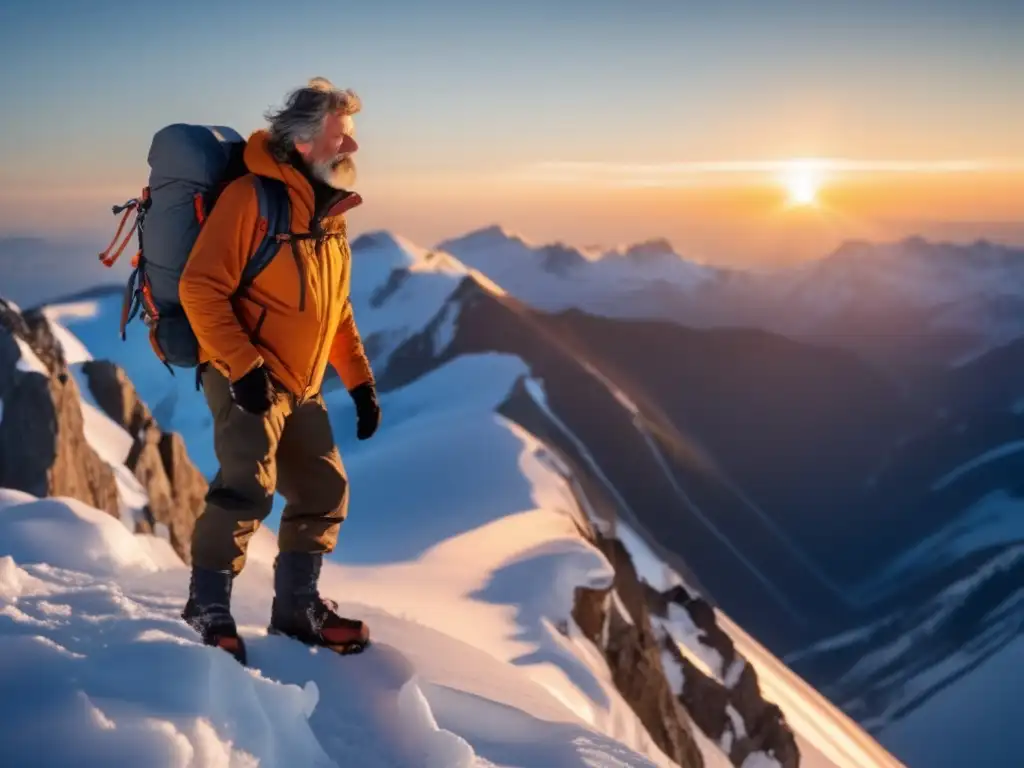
x: 275, y: 219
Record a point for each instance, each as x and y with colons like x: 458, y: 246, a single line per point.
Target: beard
x: 337, y: 173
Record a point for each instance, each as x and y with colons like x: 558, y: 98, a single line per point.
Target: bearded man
x: 264, y: 355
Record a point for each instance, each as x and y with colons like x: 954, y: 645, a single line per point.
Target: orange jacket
x: 296, y: 315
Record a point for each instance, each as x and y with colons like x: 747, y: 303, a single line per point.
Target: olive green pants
x: 289, y: 449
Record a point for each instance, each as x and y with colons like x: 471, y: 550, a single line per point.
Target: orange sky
x: 740, y: 221
x: 468, y: 107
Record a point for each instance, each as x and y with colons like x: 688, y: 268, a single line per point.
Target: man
x: 264, y: 358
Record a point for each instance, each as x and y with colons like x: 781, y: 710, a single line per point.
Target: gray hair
x: 302, y: 117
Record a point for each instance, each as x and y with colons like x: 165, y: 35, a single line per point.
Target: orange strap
x: 106, y: 256
x: 156, y: 345
x: 109, y: 257
x: 147, y: 298
x: 200, y: 206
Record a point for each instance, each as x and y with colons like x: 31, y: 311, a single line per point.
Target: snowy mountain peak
x: 652, y: 249
x: 489, y: 237
x: 387, y: 246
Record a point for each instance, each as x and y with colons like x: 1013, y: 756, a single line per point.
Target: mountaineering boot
x: 208, y: 611
x: 299, y: 612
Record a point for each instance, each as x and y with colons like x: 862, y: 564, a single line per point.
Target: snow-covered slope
x: 467, y: 668
x: 462, y: 539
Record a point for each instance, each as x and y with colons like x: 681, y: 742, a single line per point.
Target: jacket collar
x: 316, y: 206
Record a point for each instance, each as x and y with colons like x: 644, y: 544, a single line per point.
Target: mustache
x: 345, y: 158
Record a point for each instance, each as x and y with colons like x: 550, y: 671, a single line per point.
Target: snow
x: 464, y: 590
x: 29, y: 361
x: 648, y: 566
x: 997, y: 518
x: 74, y: 350
x: 444, y: 332
x: 397, y: 288
x: 112, y: 443
x: 993, y: 454
x: 977, y: 715
x: 173, y: 399
x: 825, y: 736
x: 880, y: 669
x: 67, y: 531
x: 555, y: 276
x: 687, y: 636
x: 461, y: 550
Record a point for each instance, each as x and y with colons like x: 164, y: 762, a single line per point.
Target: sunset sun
x: 802, y: 180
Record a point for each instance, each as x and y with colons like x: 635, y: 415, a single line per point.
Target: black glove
x: 254, y: 392
x: 367, y: 410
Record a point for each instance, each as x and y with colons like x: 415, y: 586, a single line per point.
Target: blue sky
x: 459, y: 93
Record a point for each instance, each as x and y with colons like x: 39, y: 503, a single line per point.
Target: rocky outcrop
x: 43, y: 447
x: 616, y: 620
x: 650, y: 638
x: 176, y: 488
x: 630, y: 623
x: 728, y: 705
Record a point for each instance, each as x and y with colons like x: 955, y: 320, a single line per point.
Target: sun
x: 802, y: 179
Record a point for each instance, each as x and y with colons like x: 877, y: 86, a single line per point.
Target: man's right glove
x: 254, y: 392
x: 367, y: 410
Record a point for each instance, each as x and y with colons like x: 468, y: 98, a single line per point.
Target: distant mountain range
x: 911, y: 301
x: 908, y: 305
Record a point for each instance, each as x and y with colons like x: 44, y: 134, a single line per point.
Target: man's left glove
x: 367, y: 410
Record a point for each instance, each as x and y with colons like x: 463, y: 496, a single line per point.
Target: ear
x: 304, y: 147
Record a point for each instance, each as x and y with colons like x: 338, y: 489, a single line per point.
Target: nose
x: 349, y: 144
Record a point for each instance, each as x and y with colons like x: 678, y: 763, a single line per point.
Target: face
x: 330, y: 154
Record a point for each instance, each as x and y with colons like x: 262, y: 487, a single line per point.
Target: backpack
x: 190, y: 165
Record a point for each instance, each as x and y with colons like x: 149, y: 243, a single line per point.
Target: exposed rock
x: 159, y: 460
x: 43, y: 448
x: 116, y: 395
x: 716, y: 703
x: 188, y: 489
x: 616, y: 620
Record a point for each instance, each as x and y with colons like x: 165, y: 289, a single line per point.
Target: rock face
x: 43, y: 448
x: 158, y: 459
x: 617, y: 621
x: 729, y: 706
x: 628, y: 623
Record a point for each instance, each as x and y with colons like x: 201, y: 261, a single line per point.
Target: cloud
x: 692, y: 173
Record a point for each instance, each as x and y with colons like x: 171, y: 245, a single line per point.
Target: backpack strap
x: 275, y: 218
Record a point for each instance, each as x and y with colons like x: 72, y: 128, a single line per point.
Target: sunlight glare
x: 802, y: 179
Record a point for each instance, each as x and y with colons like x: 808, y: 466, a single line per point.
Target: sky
x: 597, y: 122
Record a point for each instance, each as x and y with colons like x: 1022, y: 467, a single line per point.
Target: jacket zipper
x: 323, y: 308
x: 302, y: 274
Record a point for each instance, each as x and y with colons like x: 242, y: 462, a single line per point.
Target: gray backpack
x: 190, y: 167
